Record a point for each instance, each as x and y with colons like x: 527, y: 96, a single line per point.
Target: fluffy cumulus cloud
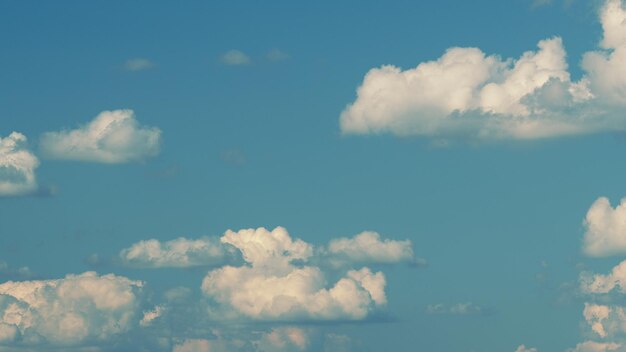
x: 471, y: 95
x: 17, y: 166
x: 605, y: 227
x: 112, y: 137
x: 75, y: 310
x: 178, y: 253
x: 275, y: 283
x: 367, y: 247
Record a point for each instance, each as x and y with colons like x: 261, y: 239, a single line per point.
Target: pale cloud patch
x: 592, y: 346
x: 138, y: 64
x: 112, y: 137
x: 605, y: 226
x: 235, y: 58
x: 467, y: 94
x: 271, y: 286
x: 17, y: 166
x: 467, y: 308
x: 367, y: 247
x: 177, y: 253
x: 601, y: 284
x: 70, y: 311
x: 523, y: 348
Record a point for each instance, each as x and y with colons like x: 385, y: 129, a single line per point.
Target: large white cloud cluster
x: 471, y: 95
x: 271, y: 285
x: 77, y: 309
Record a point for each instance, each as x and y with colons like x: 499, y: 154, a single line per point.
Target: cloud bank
x: 112, y: 137
x: 468, y: 94
x: 77, y: 309
x: 17, y: 166
x: 272, y: 286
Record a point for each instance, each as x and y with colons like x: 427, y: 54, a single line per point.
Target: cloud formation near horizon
x: 467, y: 94
x: 112, y: 137
x: 77, y: 309
x: 17, y: 166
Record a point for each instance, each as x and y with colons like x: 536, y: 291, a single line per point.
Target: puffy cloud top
x: 112, y: 137
x: 271, y: 287
x: 17, y: 166
x: 605, y: 226
x: 469, y: 94
x: 180, y: 253
x: 68, y: 311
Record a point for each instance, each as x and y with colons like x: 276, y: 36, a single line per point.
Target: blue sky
x: 289, y: 176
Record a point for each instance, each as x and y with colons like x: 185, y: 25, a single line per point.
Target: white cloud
x: 69, y: 311
x: 367, y: 247
x: 467, y: 308
x: 283, y: 339
x: 592, y: 346
x: 270, y: 286
x: 523, y: 348
x: 178, y: 253
x: 594, y: 315
x: 598, y: 284
x: 235, y: 58
x: 470, y: 95
x: 605, y: 229
x: 17, y: 166
x: 112, y: 137
x: 138, y: 64
x: 150, y: 315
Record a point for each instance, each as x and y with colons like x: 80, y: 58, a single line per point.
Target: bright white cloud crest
x: 17, y: 166
x: 605, y: 229
x: 112, y: 137
x: 270, y: 286
x: 367, y: 247
x: 69, y: 311
x: 469, y: 94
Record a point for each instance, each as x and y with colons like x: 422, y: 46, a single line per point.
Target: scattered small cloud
x: 467, y: 308
x: 178, y: 253
x: 138, y: 64
x: 112, y: 137
x: 235, y: 58
x: 276, y: 55
x: 234, y: 157
x: 605, y: 227
x: 17, y: 167
x: 523, y: 348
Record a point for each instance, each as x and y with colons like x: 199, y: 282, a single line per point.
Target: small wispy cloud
x: 467, y: 308
x: 235, y: 58
x: 277, y: 55
x: 138, y: 64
